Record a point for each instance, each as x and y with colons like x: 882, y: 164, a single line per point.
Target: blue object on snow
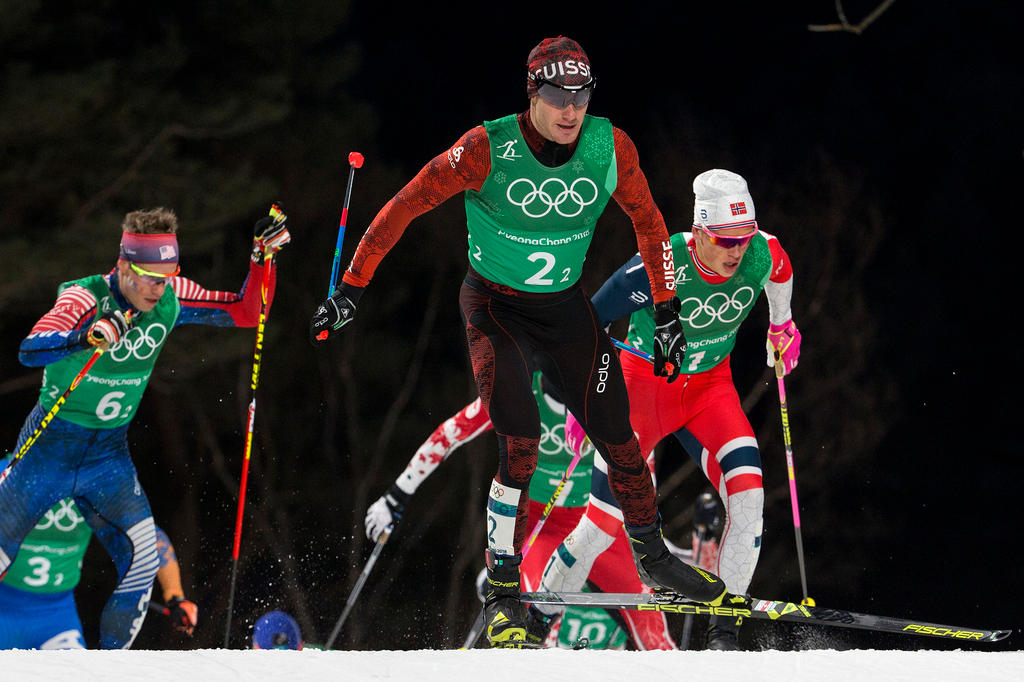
x: 276, y: 630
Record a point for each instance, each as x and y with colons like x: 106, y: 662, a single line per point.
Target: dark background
x: 889, y: 164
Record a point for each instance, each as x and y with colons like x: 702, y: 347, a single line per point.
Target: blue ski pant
x: 94, y: 467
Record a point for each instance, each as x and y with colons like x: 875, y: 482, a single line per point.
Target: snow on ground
x: 482, y: 665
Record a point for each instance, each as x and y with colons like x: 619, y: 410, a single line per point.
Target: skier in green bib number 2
x: 534, y: 185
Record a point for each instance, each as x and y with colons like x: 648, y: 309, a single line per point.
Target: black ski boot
x: 538, y: 625
x: 723, y: 633
x: 659, y: 569
x: 504, y: 614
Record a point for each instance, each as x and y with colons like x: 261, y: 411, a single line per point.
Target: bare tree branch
x: 18, y: 384
x: 131, y: 172
x: 845, y: 25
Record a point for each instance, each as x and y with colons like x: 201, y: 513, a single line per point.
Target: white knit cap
x: 721, y: 200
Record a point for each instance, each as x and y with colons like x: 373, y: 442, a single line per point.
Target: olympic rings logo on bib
x: 552, y: 439
x: 537, y: 202
x: 140, y: 343
x: 718, y: 307
x: 64, y: 519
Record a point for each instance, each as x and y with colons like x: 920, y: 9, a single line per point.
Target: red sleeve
x: 463, y: 166
x: 634, y: 196
x: 782, y: 269
x: 226, y: 308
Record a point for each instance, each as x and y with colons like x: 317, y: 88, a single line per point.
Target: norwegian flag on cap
x: 721, y: 200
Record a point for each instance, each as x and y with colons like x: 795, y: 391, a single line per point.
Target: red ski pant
x: 613, y: 571
x: 708, y: 407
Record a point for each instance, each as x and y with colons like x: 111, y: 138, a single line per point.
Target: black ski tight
x: 512, y: 333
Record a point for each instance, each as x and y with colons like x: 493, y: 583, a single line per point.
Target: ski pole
x: 780, y: 371
x: 640, y: 354
x: 278, y: 216
x: 704, y: 531
x: 355, y: 160
x: 684, y: 639
x: 477, y: 628
x: 552, y: 502
x: 381, y: 539
x: 96, y: 353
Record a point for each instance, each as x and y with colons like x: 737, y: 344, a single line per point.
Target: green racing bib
x: 50, y: 557
x: 554, y: 456
x: 530, y: 225
x: 711, y: 313
x: 110, y: 393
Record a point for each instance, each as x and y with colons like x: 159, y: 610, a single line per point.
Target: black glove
x: 109, y: 328
x: 669, y: 342
x: 183, y: 613
x: 270, y: 233
x: 334, y: 313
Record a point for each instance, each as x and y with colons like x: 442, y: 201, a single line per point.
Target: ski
x: 767, y: 610
x: 579, y: 645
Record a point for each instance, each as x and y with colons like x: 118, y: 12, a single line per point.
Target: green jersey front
x: 711, y: 313
x: 109, y: 394
x: 530, y: 225
x: 596, y: 626
x: 554, y: 457
x: 50, y: 557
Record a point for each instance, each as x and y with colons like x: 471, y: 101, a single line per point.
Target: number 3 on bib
x: 548, y: 263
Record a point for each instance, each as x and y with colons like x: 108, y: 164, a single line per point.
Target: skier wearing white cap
x: 723, y: 265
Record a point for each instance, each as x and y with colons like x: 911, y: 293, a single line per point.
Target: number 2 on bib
x: 539, y: 278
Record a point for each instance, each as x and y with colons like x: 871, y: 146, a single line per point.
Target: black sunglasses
x: 561, y: 96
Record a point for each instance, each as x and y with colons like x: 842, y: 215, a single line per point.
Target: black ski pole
x: 381, y: 539
x: 684, y: 640
x: 706, y: 504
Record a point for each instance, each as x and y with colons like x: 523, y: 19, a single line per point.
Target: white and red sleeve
x: 59, y: 332
x: 74, y: 307
x: 779, y: 287
x: 454, y: 432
